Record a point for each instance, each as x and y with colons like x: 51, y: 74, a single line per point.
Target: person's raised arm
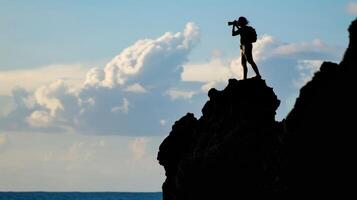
x: 234, y: 31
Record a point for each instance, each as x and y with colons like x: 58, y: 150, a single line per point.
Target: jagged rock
x: 230, y: 149
x: 175, y: 148
x: 320, y: 144
x: 238, y: 150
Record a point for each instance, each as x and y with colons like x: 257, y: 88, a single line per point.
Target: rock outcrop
x: 230, y: 150
x: 319, y: 153
x: 237, y: 149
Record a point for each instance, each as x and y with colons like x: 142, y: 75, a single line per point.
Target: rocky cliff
x: 320, y: 146
x: 237, y: 149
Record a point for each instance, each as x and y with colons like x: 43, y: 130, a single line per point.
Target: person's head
x: 242, y: 21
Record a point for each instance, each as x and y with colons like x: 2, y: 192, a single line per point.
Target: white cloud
x: 212, y: 73
x: 138, y: 85
x: 175, y: 93
x: 30, y: 79
x: 124, y: 108
x: 351, y: 8
x: 80, y: 158
x: 55, y: 104
x: 263, y: 46
x: 315, y: 45
x: 46, y: 96
x: 306, y: 68
x: 94, y: 77
x: 137, y: 146
x: 144, y: 54
x: 91, y: 106
x: 39, y: 119
x: 135, y: 88
x: 215, y: 70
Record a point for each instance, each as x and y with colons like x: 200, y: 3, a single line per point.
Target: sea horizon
x: 78, y: 191
x: 89, y: 195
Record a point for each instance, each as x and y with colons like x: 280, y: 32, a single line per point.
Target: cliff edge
x: 237, y: 148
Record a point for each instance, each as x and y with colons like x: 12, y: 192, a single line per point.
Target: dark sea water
x: 80, y: 196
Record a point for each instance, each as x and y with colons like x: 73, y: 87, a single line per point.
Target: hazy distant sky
x: 89, y: 88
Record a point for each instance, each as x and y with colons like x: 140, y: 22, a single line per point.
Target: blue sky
x: 76, y: 31
x: 99, y: 83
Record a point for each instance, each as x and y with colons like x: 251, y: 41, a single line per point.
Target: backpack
x: 251, y: 34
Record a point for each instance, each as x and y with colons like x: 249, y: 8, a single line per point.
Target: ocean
x: 80, y: 196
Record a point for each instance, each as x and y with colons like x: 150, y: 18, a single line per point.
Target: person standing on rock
x: 247, y: 37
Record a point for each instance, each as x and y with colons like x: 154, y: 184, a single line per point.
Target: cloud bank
x: 120, y: 98
x: 31, y: 79
x: 298, y: 62
x: 148, y: 85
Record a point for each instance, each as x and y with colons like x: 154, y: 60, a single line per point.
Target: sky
x: 89, y: 88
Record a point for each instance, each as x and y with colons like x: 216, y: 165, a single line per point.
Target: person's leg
x: 244, y: 64
x: 249, y: 58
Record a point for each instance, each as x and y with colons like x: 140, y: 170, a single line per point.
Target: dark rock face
x: 231, y: 148
x: 237, y: 149
x: 320, y: 144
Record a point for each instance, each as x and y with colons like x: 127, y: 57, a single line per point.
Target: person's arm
x: 234, y: 31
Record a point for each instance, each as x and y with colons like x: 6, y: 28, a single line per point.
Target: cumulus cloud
x: 54, y: 105
x: 94, y: 77
x: 152, y: 80
x: 110, y: 100
x: 39, y: 119
x: 46, y: 96
x: 351, y: 8
x: 147, y: 53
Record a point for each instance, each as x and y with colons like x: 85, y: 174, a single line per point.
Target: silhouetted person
x: 247, y: 37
